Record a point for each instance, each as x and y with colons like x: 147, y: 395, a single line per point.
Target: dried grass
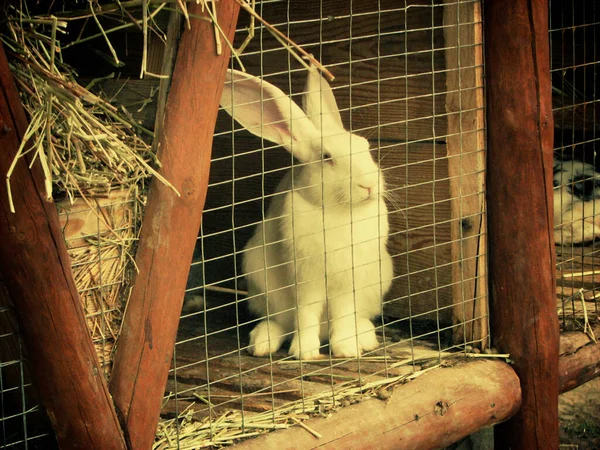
x: 85, y: 146
x: 91, y: 153
x: 99, y: 242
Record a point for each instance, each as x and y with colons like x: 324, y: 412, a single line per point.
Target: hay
x: 85, y: 145
x: 99, y: 242
x: 91, y: 154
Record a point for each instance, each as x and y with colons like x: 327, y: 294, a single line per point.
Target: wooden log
x: 463, y: 38
x: 171, y: 226
x: 521, y: 242
x: 581, y: 364
x: 431, y: 411
x: 36, y: 269
x: 572, y: 341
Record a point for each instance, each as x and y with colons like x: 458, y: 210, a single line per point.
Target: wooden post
x: 170, y: 226
x: 463, y: 40
x: 37, y: 271
x: 521, y: 240
x: 432, y: 411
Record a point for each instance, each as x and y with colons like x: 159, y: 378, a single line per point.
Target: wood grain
x: 581, y: 363
x: 432, y: 411
x: 521, y: 236
x: 466, y: 170
x: 170, y: 228
x: 36, y: 269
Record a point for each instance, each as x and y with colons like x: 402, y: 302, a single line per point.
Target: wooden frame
x: 521, y: 239
x: 171, y: 224
x: 521, y: 273
x: 463, y: 38
x: 36, y: 269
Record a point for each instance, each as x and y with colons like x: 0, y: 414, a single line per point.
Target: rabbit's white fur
x: 320, y: 255
x: 576, y: 202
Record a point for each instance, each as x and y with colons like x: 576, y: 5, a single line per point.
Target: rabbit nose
x: 367, y: 188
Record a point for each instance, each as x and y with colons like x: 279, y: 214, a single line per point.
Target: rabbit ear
x: 319, y: 103
x: 267, y: 112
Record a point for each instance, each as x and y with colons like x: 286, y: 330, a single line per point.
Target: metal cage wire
x: 390, y: 63
x: 575, y: 58
x: 393, y: 69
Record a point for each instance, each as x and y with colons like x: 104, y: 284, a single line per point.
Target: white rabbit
x: 576, y: 202
x: 317, y: 266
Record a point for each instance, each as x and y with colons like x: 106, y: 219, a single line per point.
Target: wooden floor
x: 217, y: 378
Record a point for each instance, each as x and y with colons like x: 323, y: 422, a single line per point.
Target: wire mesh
x: 100, y: 235
x: 575, y: 59
x: 409, y: 78
x: 23, y: 423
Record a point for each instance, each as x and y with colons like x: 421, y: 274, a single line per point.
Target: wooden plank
x: 36, y: 269
x: 170, y: 228
x: 420, y: 226
x: 137, y: 96
x: 466, y: 169
x: 431, y: 411
x: 406, y: 82
x: 521, y: 236
x: 393, y: 83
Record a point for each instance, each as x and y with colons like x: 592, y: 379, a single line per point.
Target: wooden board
x: 407, y: 79
x: 394, y: 95
x: 466, y: 169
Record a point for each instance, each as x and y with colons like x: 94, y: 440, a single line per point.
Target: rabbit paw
x: 310, y: 347
x: 345, y: 348
x: 265, y: 338
x: 367, y: 339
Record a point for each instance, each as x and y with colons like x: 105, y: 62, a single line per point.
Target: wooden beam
x: 431, y: 411
x: 36, y: 269
x: 463, y: 39
x: 171, y: 225
x: 521, y: 240
x: 580, y: 363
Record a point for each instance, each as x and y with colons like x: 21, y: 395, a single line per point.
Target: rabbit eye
x: 327, y: 158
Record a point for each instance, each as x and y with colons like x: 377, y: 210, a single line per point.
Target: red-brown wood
x: 521, y: 244
x: 171, y: 225
x: 431, y: 411
x: 36, y: 269
x: 579, y: 367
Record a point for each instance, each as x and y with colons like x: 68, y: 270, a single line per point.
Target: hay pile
x: 93, y: 159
